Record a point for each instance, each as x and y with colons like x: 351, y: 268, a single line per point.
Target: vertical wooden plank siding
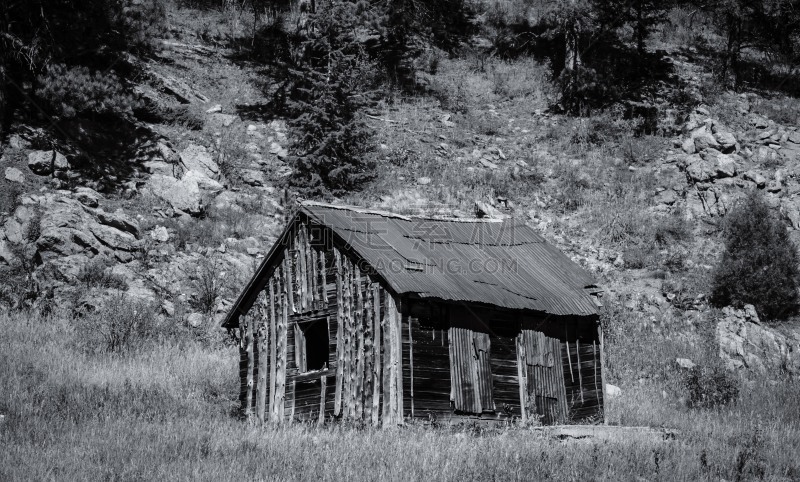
x: 340, y: 353
x: 410, y: 361
x: 323, y: 382
x: 377, y: 366
x: 358, y: 324
x: 280, y: 382
x: 522, y: 369
x: 263, y: 360
x: 369, y: 356
x: 387, y: 354
x: 542, y: 377
x: 347, y: 324
x: 249, y: 347
x: 580, y: 375
x: 602, y: 393
x: 273, y: 313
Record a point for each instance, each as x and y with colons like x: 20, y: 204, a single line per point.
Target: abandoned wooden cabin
x: 382, y: 318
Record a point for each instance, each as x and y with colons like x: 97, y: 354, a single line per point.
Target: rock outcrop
x: 753, y: 349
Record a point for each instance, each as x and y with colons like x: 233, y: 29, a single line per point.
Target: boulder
x: 423, y: 181
x: 757, y: 350
x: 613, y: 390
x: 203, y: 182
x: 726, y: 140
x: 757, y: 178
x: 667, y: 197
x: 688, y: 146
x: 88, y: 197
x: 684, y: 363
x: 69, y: 228
x: 701, y: 171
x: 197, y: 158
x: 704, y: 139
x: 182, y: 194
x: 253, y: 177
x: 14, y: 175
x: 725, y: 166
x: 44, y: 163
x: 160, y: 234
x: 794, y: 137
x: 195, y: 320
x: 7, y: 257
x: 221, y: 120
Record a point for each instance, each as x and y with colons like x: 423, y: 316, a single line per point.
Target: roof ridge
x: 389, y: 214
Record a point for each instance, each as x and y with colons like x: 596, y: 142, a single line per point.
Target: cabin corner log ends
x: 323, y: 335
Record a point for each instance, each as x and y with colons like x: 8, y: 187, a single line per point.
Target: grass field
x: 166, y: 411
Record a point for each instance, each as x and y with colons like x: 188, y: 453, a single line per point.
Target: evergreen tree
x: 328, y: 84
x: 759, y: 264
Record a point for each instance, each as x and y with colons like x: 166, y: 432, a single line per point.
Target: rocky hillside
x: 199, y: 204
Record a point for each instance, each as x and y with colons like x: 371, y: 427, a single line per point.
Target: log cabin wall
x: 315, y: 284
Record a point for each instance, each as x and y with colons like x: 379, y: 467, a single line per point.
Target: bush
x: 122, y: 324
x: 758, y: 264
x: 710, y: 387
x: 77, y: 91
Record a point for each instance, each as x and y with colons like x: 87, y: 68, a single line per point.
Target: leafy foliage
x: 759, y: 263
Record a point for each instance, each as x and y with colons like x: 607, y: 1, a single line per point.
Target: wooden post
x: 337, y: 401
x: 349, y: 372
x: 602, y: 373
x: 358, y: 385
x: 323, y: 382
x: 369, y: 358
x: 522, y: 375
x: 578, y: 358
x: 272, y: 351
x: 263, y: 365
x: 376, y: 388
x: 407, y: 320
x: 248, y: 409
x: 386, y: 328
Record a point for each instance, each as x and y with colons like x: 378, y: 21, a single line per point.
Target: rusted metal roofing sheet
x: 506, y: 264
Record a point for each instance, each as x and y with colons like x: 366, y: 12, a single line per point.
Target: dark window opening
x: 316, y: 348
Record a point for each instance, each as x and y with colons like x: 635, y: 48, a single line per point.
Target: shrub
x: 77, y: 91
x: 94, y: 275
x: 759, y: 262
x: 710, y: 387
x: 122, y: 324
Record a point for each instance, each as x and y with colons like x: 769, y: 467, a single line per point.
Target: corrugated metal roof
x: 506, y: 264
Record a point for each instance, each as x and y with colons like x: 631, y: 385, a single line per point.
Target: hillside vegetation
x: 151, y: 150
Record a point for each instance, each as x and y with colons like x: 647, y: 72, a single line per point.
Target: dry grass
x: 166, y: 412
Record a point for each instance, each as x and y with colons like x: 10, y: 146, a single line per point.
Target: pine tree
x: 328, y: 86
x: 759, y: 264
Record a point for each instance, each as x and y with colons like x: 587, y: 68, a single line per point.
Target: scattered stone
x: 726, y: 166
x: 14, y: 175
x: 726, y: 140
x: 667, y: 197
x: 221, y: 120
x: 700, y: 171
x: 183, y: 195
x: 160, y: 234
x: 17, y: 142
x: 197, y: 158
x: 794, y: 137
x: 774, y: 187
x: 213, y: 110
x: 685, y: 363
x: 759, y: 122
x: 613, y: 390
x: 424, y: 181
x: 44, y: 163
x: 195, y: 320
x: 704, y: 139
x: 252, y: 177
x: 88, y: 197
x: 688, y: 146
x: 488, y: 164
x: 203, y: 182
x: 757, y: 178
